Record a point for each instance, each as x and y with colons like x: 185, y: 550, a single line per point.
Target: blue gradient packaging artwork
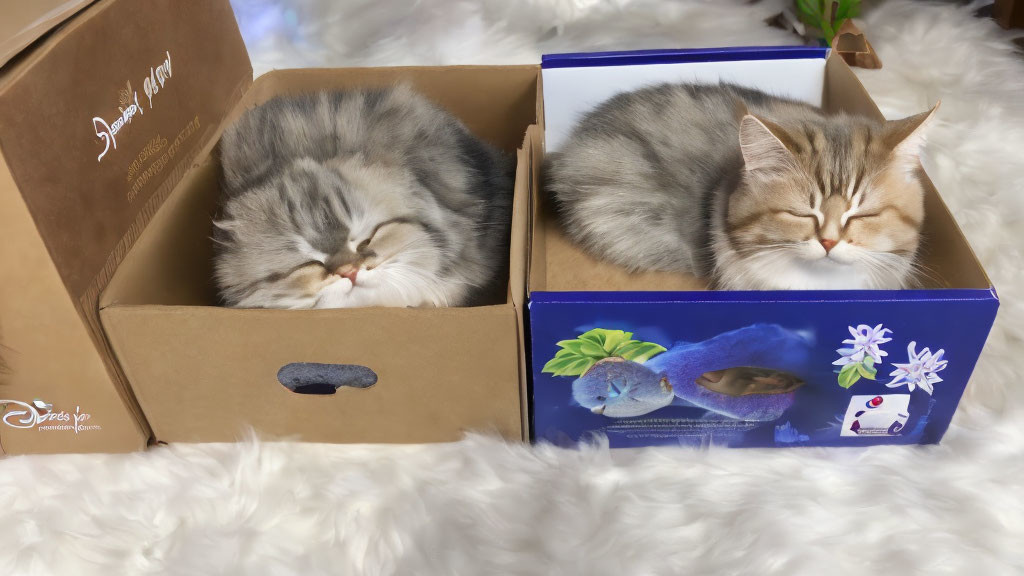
x: 627, y: 358
x: 754, y: 369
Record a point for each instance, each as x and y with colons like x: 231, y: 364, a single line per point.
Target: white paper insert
x: 569, y: 93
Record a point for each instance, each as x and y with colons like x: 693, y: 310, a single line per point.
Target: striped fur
x: 743, y: 187
x: 364, y: 198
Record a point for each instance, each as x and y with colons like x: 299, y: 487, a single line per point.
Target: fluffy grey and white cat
x: 753, y: 191
x: 362, y: 198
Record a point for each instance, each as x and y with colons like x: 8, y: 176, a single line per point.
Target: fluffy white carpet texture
x: 482, y: 506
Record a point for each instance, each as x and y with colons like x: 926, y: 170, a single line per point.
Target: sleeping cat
x: 754, y: 191
x: 363, y: 198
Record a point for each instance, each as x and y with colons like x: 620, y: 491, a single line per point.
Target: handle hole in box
x: 324, y: 379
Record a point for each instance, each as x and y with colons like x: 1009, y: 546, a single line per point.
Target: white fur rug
x: 484, y: 507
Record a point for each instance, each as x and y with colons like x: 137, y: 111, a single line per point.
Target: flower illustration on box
x: 863, y: 353
x: 919, y: 371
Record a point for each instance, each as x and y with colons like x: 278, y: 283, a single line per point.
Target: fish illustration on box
x: 751, y: 373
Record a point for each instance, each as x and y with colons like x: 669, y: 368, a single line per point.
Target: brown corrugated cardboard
x: 853, y: 46
x: 205, y: 373
x: 97, y: 123
x: 24, y: 22
x: 46, y: 353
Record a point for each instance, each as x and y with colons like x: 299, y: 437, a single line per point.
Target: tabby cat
x: 753, y: 191
x: 361, y: 198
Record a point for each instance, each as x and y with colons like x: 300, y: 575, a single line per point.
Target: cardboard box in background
x: 707, y: 332
x: 204, y: 373
x: 93, y: 129
x: 24, y: 22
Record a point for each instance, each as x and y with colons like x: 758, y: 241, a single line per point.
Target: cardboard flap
x: 100, y: 121
x: 843, y: 91
x: 25, y: 22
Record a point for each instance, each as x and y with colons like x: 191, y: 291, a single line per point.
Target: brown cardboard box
x: 108, y: 132
x: 204, y: 373
x: 25, y: 22
x: 572, y: 295
x: 69, y: 209
x: 77, y: 114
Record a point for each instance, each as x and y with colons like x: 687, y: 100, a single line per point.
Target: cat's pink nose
x: 348, y: 271
x: 828, y: 244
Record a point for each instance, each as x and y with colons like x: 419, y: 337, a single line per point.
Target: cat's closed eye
x: 798, y: 219
x: 865, y: 215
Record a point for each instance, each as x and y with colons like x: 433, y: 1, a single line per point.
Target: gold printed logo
x: 129, y: 107
x: 124, y: 97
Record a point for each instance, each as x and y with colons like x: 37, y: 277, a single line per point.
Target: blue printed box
x: 657, y: 359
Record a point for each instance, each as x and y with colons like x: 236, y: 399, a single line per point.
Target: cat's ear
x: 906, y: 137
x: 739, y: 109
x: 761, y: 143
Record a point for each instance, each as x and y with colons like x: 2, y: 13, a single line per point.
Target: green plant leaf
x: 576, y: 356
x: 584, y: 348
x: 866, y: 372
x: 614, y: 338
x: 555, y: 365
x: 568, y: 365
x: 826, y: 28
x: 607, y: 339
x: 809, y: 8
x: 593, y: 350
x: 809, y: 12
x: 625, y: 347
x: 596, y: 336
x: 580, y: 366
x: 574, y: 346
x: 565, y: 352
x: 847, y: 378
x: 637, y: 351
x: 846, y: 9
x: 869, y: 370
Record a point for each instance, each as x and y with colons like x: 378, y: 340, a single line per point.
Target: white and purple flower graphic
x: 865, y: 343
x: 863, y: 352
x: 919, y: 371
